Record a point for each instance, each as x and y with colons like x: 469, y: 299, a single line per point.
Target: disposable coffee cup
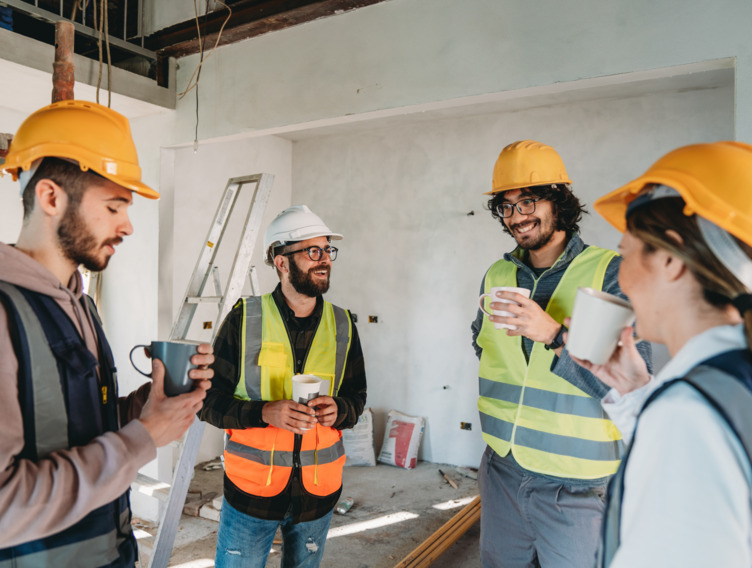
x: 493, y: 298
x: 176, y: 358
x: 596, y: 324
x: 305, y: 388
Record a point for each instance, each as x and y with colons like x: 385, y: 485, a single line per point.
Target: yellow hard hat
x: 96, y: 137
x: 525, y: 164
x: 715, y: 181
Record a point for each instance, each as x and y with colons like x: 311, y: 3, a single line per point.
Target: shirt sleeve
x: 351, y: 398
x: 583, y: 379
x: 221, y: 408
x: 687, y: 489
x: 45, y: 496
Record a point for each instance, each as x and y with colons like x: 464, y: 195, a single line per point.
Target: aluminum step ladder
x: 205, y: 268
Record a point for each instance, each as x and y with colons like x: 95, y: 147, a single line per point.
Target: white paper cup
x: 597, y: 321
x: 305, y: 388
x: 492, y: 298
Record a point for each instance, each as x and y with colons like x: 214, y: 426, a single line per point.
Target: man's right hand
x: 289, y: 415
x: 168, y: 417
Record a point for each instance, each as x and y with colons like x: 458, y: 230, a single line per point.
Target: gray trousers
x: 532, y: 521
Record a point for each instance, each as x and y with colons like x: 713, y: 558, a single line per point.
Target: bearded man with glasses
x: 550, y: 447
x: 283, y: 458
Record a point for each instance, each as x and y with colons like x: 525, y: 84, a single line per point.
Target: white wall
x: 193, y: 184
x: 410, y: 52
x: 414, y: 257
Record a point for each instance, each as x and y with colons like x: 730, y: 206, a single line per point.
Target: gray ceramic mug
x: 176, y: 358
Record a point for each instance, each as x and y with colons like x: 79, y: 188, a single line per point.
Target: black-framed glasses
x: 316, y: 253
x: 524, y: 206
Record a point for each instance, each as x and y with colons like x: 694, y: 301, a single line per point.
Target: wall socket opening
x: 466, y: 426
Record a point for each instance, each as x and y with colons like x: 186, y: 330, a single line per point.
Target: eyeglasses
x: 524, y: 206
x: 316, y: 253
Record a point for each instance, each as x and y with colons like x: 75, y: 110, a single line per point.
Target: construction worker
x: 70, y: 447
x: 551, y: 449
x: 283, y: 460
x: 683, y: 494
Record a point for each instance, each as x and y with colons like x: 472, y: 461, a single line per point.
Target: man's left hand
x: 528, y: 317
x: 326, y: 410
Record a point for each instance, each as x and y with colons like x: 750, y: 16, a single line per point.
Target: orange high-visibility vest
x: 260, y: 461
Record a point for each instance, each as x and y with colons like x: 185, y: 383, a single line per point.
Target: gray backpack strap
x: 50, y: 416
x: 730, y: 397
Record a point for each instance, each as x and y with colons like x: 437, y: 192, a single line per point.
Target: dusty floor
x: 395, y: 510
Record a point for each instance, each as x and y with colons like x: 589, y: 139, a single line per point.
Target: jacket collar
x: 575, y: 246
x: 287, y: 314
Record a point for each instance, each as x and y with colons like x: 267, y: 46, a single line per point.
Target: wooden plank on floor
x: 436, y: 544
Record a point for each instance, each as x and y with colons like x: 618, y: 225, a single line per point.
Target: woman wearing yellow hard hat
x: 683, y: 494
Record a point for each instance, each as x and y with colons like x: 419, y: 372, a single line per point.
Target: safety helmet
x: 527, y: 163
x: 715, y: 181
x: 296, y: 223
x: 96, y: 137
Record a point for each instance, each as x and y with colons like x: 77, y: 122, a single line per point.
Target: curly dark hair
x: 567, y: 207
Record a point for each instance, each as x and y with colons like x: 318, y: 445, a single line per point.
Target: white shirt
x: 687, y: 499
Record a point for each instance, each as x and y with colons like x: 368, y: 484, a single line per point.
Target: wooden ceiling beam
x: 250, y: 18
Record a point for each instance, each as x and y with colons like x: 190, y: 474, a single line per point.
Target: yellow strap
x: 271, y: 467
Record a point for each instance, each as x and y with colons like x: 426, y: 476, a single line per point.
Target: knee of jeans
x: 311, y: 546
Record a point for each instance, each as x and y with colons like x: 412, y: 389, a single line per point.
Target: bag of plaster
x: 402, y: 440
x: 358, y: 441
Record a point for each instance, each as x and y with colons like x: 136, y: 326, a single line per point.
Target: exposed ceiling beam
x: 250, y: 18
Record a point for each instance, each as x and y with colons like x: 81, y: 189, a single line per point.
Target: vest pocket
x: 276, y: 367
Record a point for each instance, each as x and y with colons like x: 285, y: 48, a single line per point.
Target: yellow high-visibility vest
x: 550, y: 426
x: 260, y: 461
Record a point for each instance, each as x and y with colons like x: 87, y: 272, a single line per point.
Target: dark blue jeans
x: 244, y: 541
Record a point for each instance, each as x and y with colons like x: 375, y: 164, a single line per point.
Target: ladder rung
x: 149, y: 486
x: 203, y: 299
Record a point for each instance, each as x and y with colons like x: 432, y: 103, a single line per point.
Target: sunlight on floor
x: 372, y: 524
x: 454, y: 503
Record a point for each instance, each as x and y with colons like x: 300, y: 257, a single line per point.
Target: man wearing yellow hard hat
x: 70, y: 447
x: 550, y: 447
x: 683, y: 494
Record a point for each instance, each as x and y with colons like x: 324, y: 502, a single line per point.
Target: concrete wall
x: 400, y: 188
x: 402, y: 53
x: 414, y: 257
x: 193, y: 184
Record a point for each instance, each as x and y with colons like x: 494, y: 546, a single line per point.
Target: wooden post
x: 63, y: 69
x: 435, y: 545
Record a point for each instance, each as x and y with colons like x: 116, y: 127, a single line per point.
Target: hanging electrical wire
x: 103, y: 27
x: 191, y: 83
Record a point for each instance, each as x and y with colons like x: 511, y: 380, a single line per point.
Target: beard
x: 545, y: 234
x: 79, y: 244
x: 304, y: 283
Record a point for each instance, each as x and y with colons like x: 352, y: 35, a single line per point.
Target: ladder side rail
x: 242, y: 261
x: 181, y: 480
x: 205, y: 262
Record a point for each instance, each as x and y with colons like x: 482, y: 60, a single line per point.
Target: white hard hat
x: 296, y: 223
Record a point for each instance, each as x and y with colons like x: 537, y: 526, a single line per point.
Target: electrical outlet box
x: 466, y: 426
x: 373, y: 319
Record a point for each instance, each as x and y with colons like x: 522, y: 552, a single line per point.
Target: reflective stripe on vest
x: 259, y: 461
x: 50, y: 416
x: 550, y: 426
x: 70, y: 547
x: 731, y: 397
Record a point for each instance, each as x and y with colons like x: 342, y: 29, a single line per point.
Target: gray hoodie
x: 41, y: 498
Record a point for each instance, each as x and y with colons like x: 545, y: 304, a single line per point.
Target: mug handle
x: 482, y: 307
x: 130, y: 356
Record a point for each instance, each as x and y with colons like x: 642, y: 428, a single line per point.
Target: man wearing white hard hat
x: 284, y: 459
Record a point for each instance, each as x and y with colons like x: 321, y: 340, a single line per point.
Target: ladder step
x: 203, y: 299
x: 153, y: 487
